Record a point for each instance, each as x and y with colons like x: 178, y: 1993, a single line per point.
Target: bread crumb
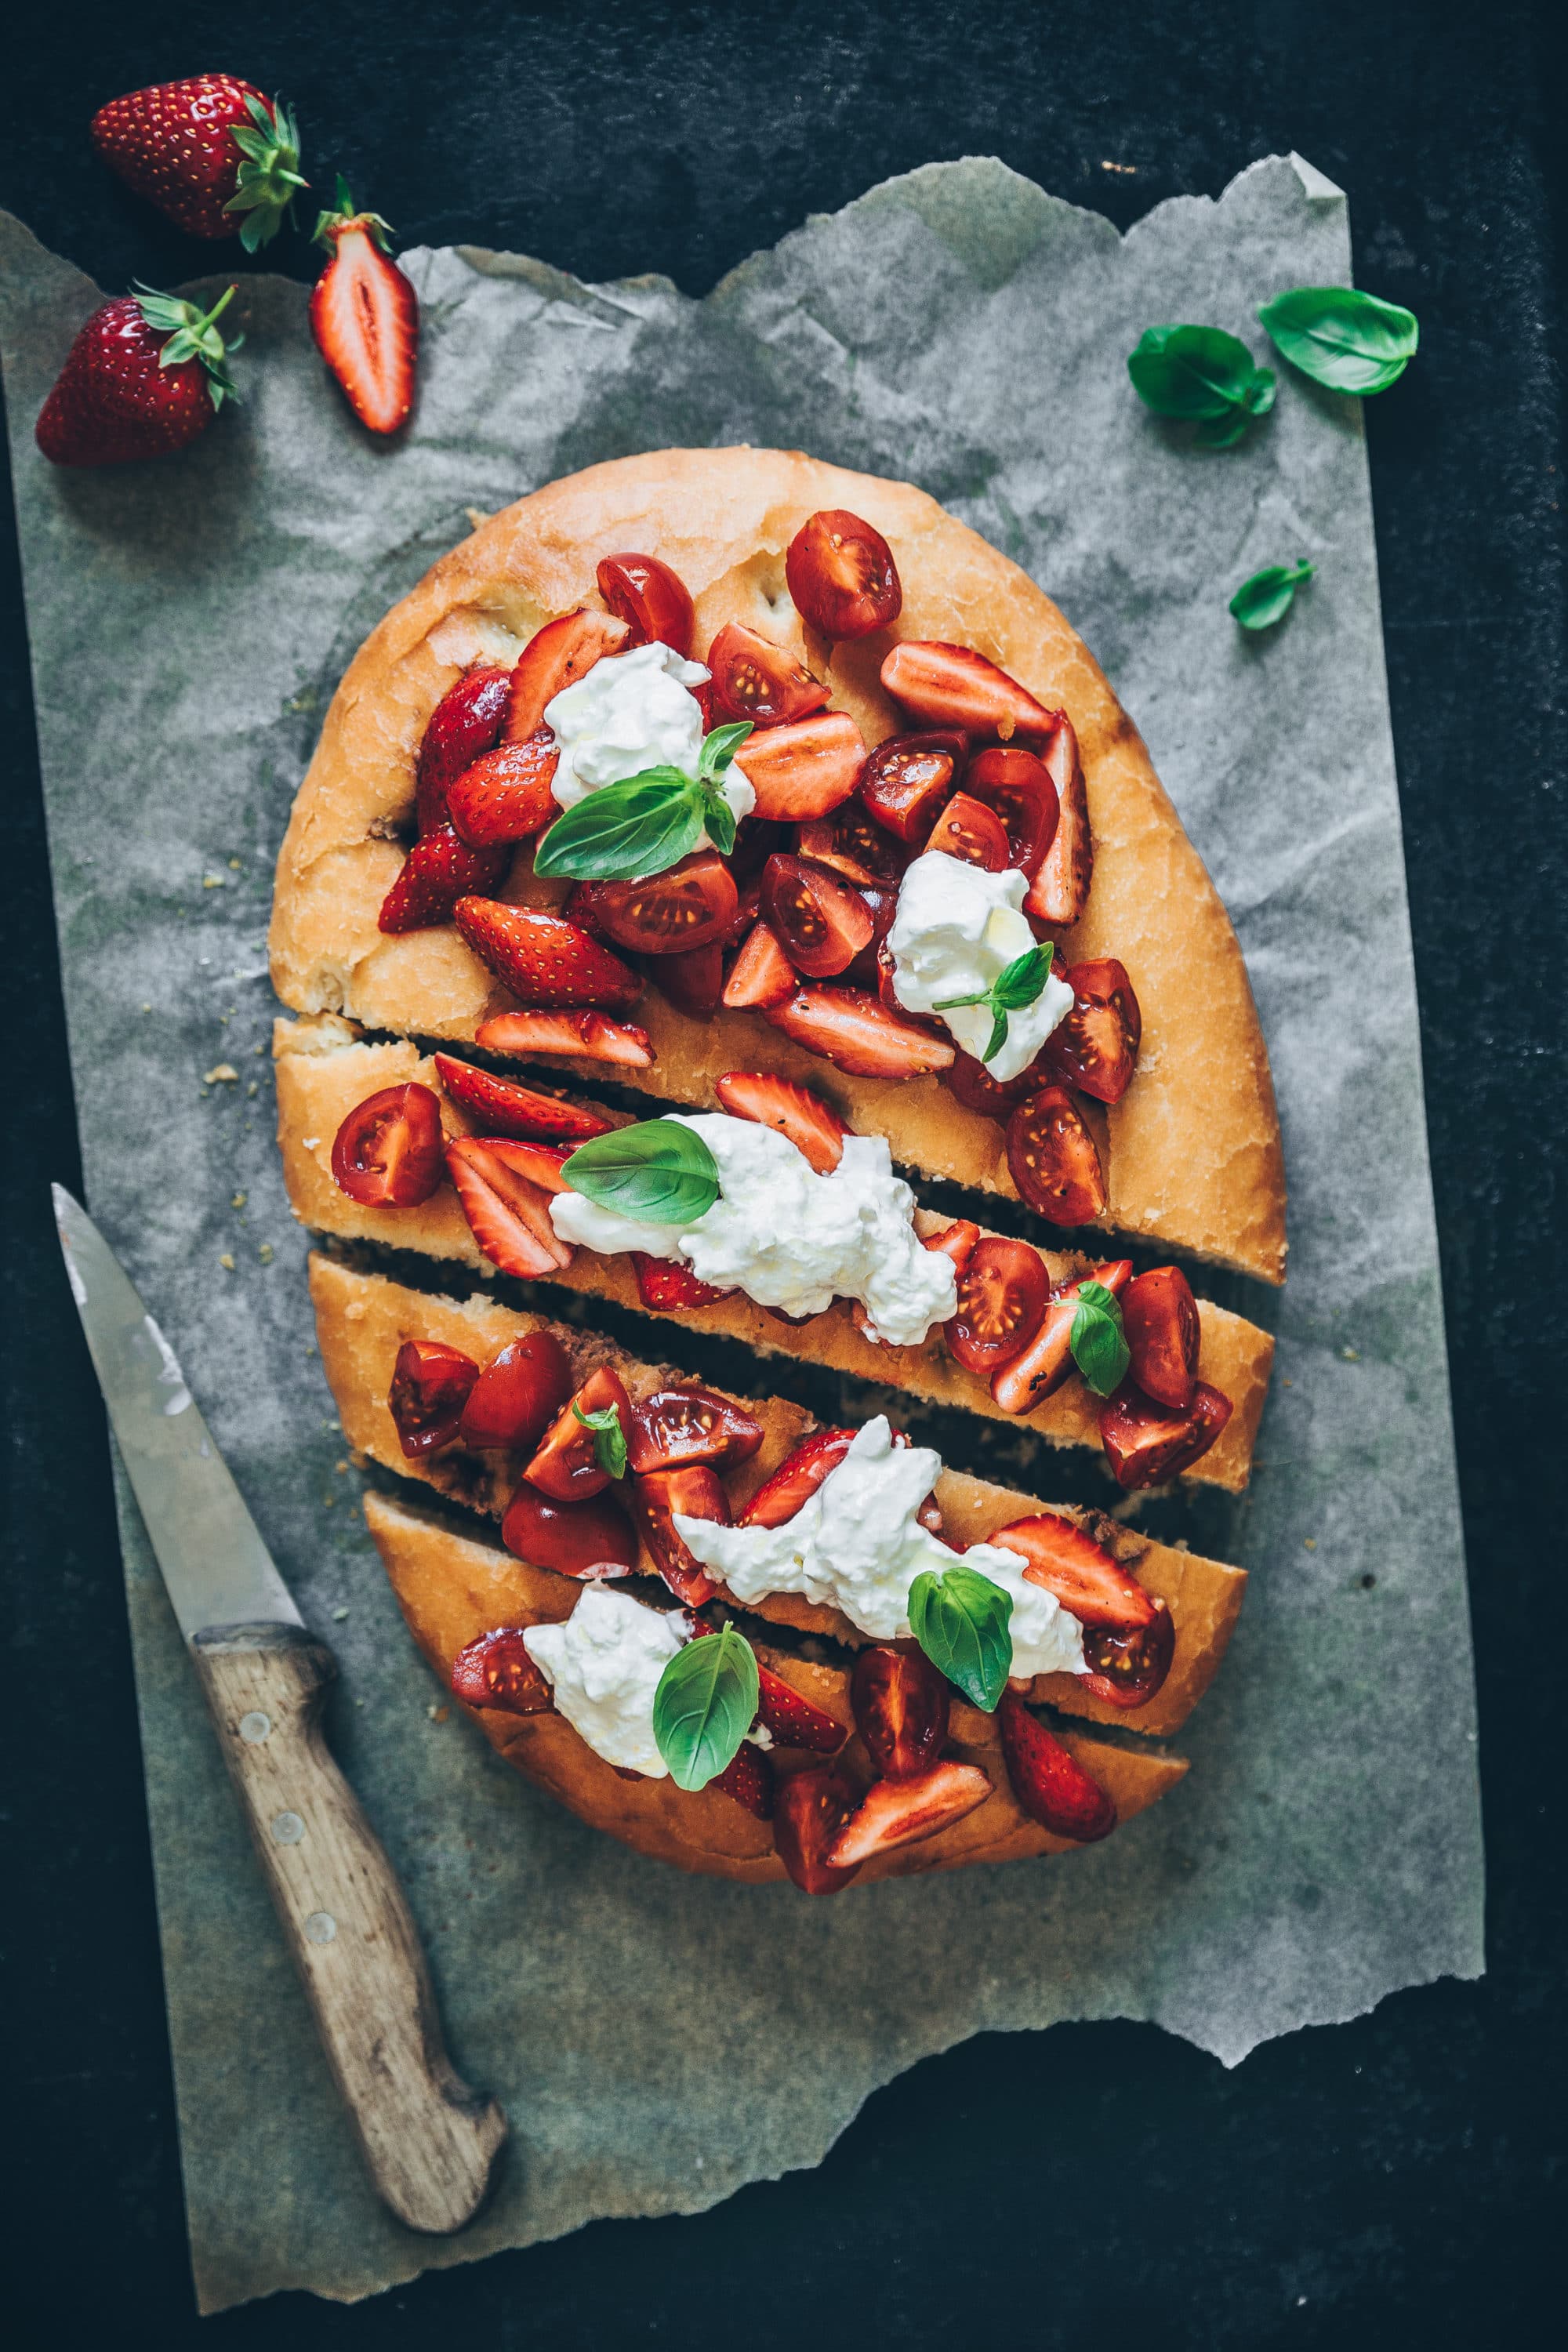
x: 212, y: 881
x: 146, y: 1008
x: 226, y: 1261
x: 264, y: 1252
x: 221, y: 1073
x: 340, y: 1616
x: 1312, y: 1542
x: 234, y: 865
x: 1351, y: 1355
x: 239, y: 1201
x: 340, y: 1467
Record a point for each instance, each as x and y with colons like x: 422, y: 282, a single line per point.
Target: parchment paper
x: 189, y: 620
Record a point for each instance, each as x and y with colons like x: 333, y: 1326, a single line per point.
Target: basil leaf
x: 625, y: 831
x: 704, y: 1707
x: 1269, y: 595
x: 609, y: 1438
x: 720, y: 747
x: 961, y: 1620
x: 658, y: 1172
x: 1339, y: 336
x: 1201, y: 372
x: 1021, y: 981
x: 1098, y: 1342
x: 719, y: 823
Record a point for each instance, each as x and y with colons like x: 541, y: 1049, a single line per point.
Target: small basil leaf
x: 658, y: 1172
x: 624, y: 831
x: 720, y: 747
x: 962, y: 1621
x: 719, y: 823
x: 609, y: 1438
x: 1021, y: 981
x: 1222, y: 432
x: 704, y: 1707
x: 999, y: 1036
x: 1269, y: 595
x: 1098, y: 1342
x: 1339, y: 336
x: 1195, y: 371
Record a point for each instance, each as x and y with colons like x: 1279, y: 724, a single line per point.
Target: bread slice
x: 362, y: 1320
x: 1191, y: 1151
x: 452, y: 1587
x: 323, y: 1071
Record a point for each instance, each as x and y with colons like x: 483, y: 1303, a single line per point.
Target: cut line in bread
x: 362, y: 1319
x: 1192, y: 1151
x: 323, y: 1071
x: 453, y: 1588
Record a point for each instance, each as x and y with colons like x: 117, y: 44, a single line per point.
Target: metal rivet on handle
x: 287, y: 1828
x: 253, y: 1727
x: 321, y: 1927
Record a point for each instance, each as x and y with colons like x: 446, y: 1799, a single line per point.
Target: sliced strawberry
x: 806, y: 770
x: 1160, y: 1319
x: 586, y: 1036
x: 797, y: 1478
x: 956, y: 1241
x: 653, y: 600
x: 465, y: 724
x: 1090, y: 1584
x: 543, y: 959
x: 856, y: 1032
x: 438, y: 870
x: 505, y: 796
x: 901, y: 1709
x: 364, y: 316
x: 907, y: 780
x: 517, y: 1395
x: 430, y: 1386
x: 387, y: 1152
x: 1055, y: 1160
x: 793, y: 1721
x: 950, y: 686
x: 675, y: 1426
x: 666, y: 1287
x: 1146, y: 1444
x: 816, y: 1131
x: 588, y: 1540
x: 538, y: 1164
x: 756, y: 679
x: 566, y: 1464
x: 1048, y: 1782
x: 810, y: 1809
x: 555, y: 657
x: 1045, y: 1363
x: 693, y: 981
x: 902, y: 1813
x: 748, y: 1778
x: 496, y: 1671
x: 822, y: 924
x: 1059, y: 891
x: 501, y: 1107
x: 696, y: 1493
x: 509, y: 1217
x: 762, y: 974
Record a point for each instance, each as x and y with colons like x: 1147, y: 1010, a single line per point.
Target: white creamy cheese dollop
x: 790, y: 1238
x: 603, y: 1664
x: 858, y: 1545
x: 629, y: 712
x: 956, y: 929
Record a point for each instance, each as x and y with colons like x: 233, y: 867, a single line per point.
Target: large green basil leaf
x: 704, y: 1707
x: 1097, y: 1339
x: 1201, y: 372
x: 1339, y: 336
x: 962, y: 1621
x: 658, y: 1172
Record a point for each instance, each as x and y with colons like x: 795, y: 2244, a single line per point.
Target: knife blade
x: 430, y: 2143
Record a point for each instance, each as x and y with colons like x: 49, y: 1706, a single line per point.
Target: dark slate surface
x: 1101, y: 2184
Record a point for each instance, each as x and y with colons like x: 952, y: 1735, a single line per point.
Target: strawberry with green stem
x: 146, y: 374
x: 213, y: 152
x: 365, y: 315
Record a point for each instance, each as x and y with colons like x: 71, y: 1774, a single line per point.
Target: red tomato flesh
x: 389, y: 1150
x: 842, y: 576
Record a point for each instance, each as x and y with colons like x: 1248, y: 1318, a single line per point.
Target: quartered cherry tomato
x: 820, y: 922
x: 854, y: 844
x: 900, y: 1705
x: 1002, y: 1292
x: 695, y: 1493
x: 653, y: 600
x: 496, y: 1671
x: 1017, y: 787
x: 675, y: 1426
x: 977, y: 1090
x: 809, y: 1811
x: 587, y: 1540
x: 842, y: 576
x: 690, y: 906
x: 1126, y: 1669
x: 388, y: 1152
x: 907, y: 780
x: 1055, y: 1159
x: 1160, y: 1319
x: 968, y: 830
x: 566, y: 1464
x: 430, y: 1386
x: 1146, y: 1444
x: 1095, y: 1047
x: 517, y: 1397
x: 756, y: 679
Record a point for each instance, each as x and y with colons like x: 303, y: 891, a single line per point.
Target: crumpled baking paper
x: 189, y: 620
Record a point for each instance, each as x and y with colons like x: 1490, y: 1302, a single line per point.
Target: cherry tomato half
x: 496, y: 1671
x: 515, y: 1398
x: 691, y: 906
x: 821, y: 923
x: 388, y: 1152
x: 653, y: 600
x: 1018, y: 788
x: 900, y: 1705
x: 1055, y: 1159
x: 969, y: 831
x: 907, y: 780
x: 1126, y: 1669
x: 675, y: 1426
x: 694, y: 1491
x: 585, y: 1539
x: 1160, y: 1317
x: 842, y: 575
x: 1003, y: 1294
x: 430, y: 1385
x: 1095, y: 1047
x: 755, y: 678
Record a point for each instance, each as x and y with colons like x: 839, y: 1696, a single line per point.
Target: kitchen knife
x: 430, y: 2143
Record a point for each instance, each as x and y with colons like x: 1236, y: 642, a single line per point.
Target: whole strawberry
x: 213, y: 152
x: 146, y: 375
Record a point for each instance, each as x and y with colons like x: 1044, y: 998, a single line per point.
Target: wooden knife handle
x: 431, y: 2144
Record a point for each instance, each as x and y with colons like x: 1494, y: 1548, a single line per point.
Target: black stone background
x: 1396, y: 2178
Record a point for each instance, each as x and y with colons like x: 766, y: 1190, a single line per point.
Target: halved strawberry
x: 805, y: 769
x: 950, y: 686
x: 817, y: 1132
x: 696, y: 1493
x: 856, y: 1034
x: 797, y: 1478
x: 1048, y: 1782
x: 762, y: 974
x: 585, y: 1037
x: 748, y: 1778
x: 364, y: 316
x: 1059, y: 890
x: 509, y: 1217
x: 1045, y: 1363
x: 555, y: 657
x: 465, y: 724
x: 438, y: 870
x: 505, y: 796
x: 501, y: 1107
x: 666, y: 1287
x: 1090, y: 1584
x: 496, y: 1671
x: 793, y: 1721
x: 566, y: 1464
x: 956, y: 1241
x: 902, y: 1813
x: 543, y: 959
x: 809, y: 1811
